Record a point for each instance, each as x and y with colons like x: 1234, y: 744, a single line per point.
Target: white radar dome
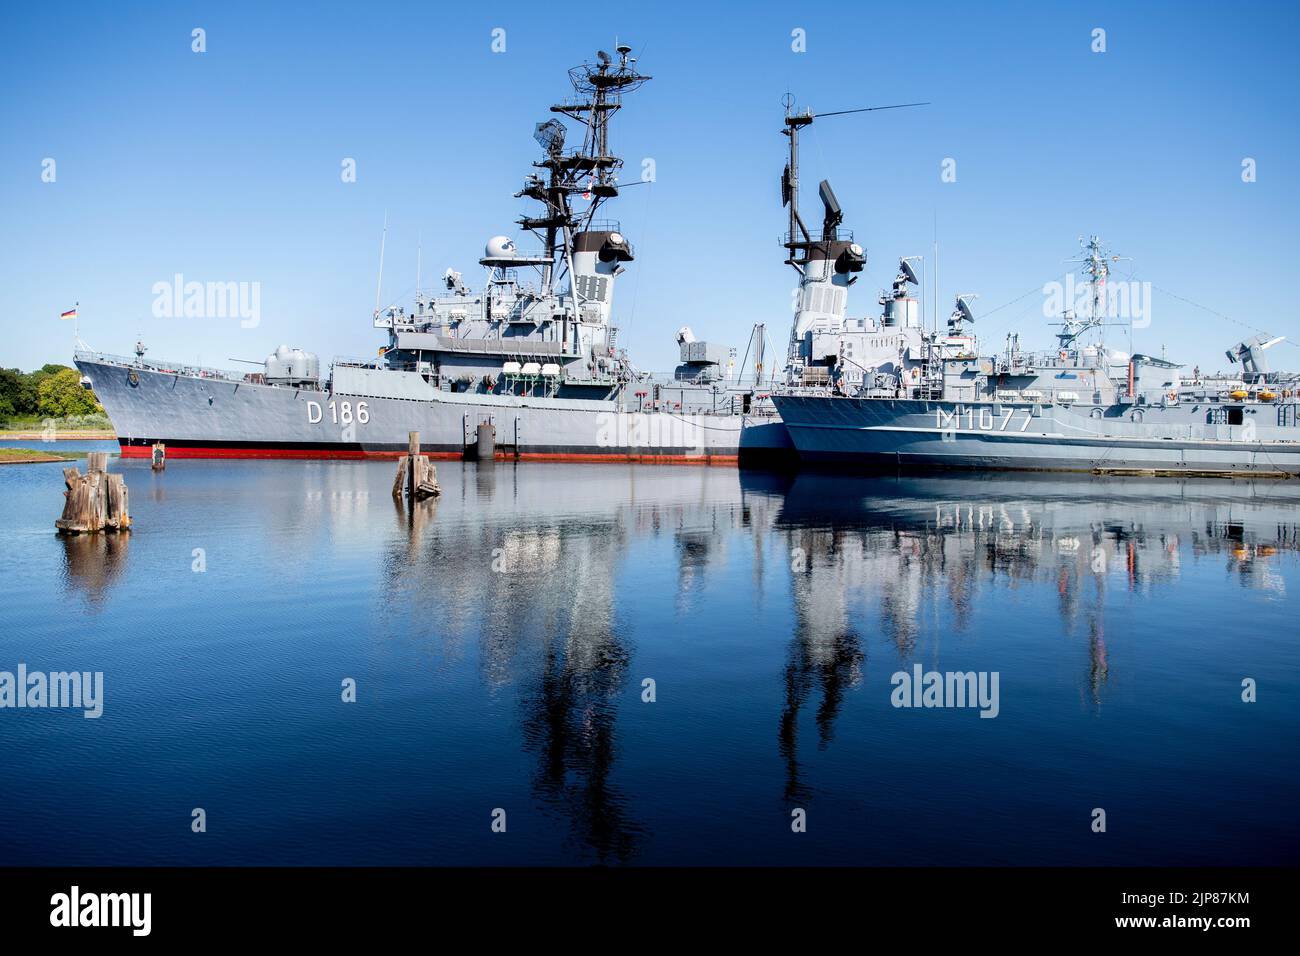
x: 499, y: 247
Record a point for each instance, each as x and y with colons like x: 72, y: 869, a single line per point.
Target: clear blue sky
x: 225, y: 166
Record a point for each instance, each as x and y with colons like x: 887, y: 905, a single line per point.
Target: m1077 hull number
x: 981, y: 419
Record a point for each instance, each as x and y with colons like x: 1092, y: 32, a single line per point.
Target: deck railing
x: 167, y: 368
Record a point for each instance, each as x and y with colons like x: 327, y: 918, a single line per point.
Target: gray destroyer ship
x: 937, y: 403
x: 527, y: 367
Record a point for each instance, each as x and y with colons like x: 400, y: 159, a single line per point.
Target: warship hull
x: 1190, y: 439
x: 368, y: 413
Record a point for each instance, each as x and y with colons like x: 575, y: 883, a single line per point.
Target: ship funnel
x: 598, y: 258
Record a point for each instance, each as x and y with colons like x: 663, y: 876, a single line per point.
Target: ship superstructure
x: 533, y: 354
x: 1083, y: 406
x: 828, y: 348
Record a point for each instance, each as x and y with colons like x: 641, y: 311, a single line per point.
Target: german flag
x: 70, y: 314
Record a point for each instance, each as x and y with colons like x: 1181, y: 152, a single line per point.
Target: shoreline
x: 32, y: 456
x: 95, y: 435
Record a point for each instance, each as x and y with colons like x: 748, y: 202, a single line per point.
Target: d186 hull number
x: 340, y: 413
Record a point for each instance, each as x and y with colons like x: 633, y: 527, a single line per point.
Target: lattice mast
x: 589, y: 171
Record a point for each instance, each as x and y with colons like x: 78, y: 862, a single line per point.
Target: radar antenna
x: 961, y: 313
x: 590, y: 170
x: 834, y: 216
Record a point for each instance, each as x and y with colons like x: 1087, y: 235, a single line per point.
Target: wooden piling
x: 413, y: 453
x: 95, y: 501
x: 400, y: 484
x: 415, y: 473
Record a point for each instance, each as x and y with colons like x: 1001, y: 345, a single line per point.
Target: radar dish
x: 603, y: 57
x: 963, y: 307
x: 908, y: 272
x: 550, y: 135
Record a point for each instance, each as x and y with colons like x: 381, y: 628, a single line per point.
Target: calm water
x: 499, y: 641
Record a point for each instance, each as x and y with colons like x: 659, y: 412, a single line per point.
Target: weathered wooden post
x: 399, y: 485
x: 94, y: 501
x: 415, y: 473
x: 159, y: 456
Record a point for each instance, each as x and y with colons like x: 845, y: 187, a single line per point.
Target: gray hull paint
x: 198, y: 413
x: 885, y: 433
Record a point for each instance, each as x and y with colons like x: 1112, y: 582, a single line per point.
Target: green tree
x: 17, y: 392
x: 11, y: 390
x: 61, y: 395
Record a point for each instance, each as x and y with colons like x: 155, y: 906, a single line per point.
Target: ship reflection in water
x: 630, y: 664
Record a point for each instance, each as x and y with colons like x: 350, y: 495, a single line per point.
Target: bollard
x: 486, y: 445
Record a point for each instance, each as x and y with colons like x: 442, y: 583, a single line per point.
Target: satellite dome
x: 500, y: 247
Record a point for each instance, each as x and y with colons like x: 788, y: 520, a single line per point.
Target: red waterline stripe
x: 179, y: 451
x: 303, y: 454
x: 638, y: 459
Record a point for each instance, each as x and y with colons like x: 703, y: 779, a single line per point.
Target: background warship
x: 936, y: 402
x: 530, y: 362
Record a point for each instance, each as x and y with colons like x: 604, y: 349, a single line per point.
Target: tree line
x: 52, y: 391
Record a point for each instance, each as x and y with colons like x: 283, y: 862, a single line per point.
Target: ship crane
x: 1250, y: 354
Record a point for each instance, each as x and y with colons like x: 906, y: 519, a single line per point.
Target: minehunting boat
x: 938, y: 403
